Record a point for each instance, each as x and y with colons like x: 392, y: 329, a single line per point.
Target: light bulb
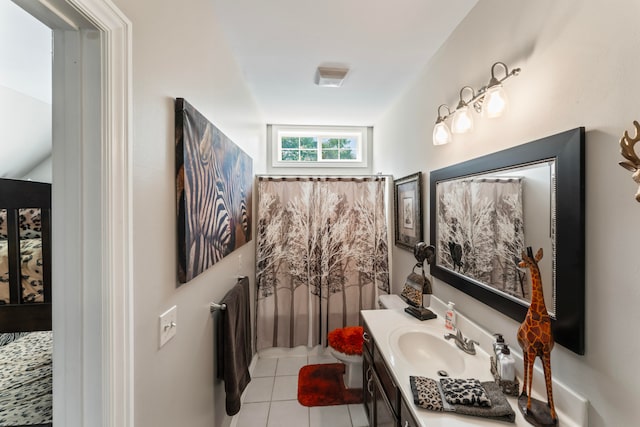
x: 462, y: 120
x: 495, y: 102
x: 441, y: 134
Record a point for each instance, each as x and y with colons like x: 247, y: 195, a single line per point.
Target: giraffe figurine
x: 534, y: 335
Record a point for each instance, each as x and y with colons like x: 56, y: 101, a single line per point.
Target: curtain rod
x: 267, y: 176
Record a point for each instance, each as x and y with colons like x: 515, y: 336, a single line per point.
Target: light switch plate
x: 168, y: 325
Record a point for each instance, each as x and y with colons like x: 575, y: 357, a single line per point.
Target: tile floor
x: 271, y: 398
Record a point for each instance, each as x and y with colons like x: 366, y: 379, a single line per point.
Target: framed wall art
x: 408, y: 210
x: 214, y: 180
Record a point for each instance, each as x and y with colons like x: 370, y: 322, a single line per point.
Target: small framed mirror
x: 486, y: 211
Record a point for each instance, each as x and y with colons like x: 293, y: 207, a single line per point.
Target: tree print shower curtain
x: 322, y: 256
x: 480, y: 231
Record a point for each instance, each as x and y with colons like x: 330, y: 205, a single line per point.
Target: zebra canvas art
x: 214, y: 179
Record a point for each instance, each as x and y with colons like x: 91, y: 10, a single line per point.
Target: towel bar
x: 222, y: 307
x: 215, y: 307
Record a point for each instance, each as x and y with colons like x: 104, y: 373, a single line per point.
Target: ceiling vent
x: 330, y: 77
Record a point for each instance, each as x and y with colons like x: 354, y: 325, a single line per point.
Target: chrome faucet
x: 464, y: 344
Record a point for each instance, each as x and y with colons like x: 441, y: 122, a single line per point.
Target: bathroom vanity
x: 398, y: 346
x: 383, y: 400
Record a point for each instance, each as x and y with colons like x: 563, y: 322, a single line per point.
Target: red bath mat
x: 322, y: 385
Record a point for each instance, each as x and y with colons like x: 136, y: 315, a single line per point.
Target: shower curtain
x: 485, y: 217
x: 322, y: 256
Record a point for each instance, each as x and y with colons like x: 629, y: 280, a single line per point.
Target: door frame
x: 92, y: 242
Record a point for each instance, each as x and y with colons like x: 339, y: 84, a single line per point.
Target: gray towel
x: 500, y: 409
x: 233, y: 337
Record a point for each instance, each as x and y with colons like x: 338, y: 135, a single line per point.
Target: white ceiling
x: 385, y: 43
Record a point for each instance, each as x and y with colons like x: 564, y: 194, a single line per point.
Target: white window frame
x: 359, y: 132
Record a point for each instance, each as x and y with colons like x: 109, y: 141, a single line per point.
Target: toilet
x: 345, y: 344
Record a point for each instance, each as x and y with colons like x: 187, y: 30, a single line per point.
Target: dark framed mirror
x: 485, y: 211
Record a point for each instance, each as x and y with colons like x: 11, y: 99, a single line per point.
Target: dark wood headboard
x: 18, y: 316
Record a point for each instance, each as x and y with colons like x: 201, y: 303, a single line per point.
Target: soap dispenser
x: 506, y: 364
x: 450, y: 317
x: 498, y: 344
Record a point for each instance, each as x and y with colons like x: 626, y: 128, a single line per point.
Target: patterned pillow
x: 464, y: 392
x: 30, y: 270
x: 30, y: 223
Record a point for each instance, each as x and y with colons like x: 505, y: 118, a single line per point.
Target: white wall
x: 178, y: 51
x: 41, y: 172
x: 25, y: 94
x: 26, y: 126
x: 579, y: 68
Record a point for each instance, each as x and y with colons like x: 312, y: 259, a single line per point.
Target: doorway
x: 91, y: 198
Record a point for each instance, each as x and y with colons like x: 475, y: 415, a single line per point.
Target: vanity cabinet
x: 384, y: 414
x: 369, y: 395
x: 406, y: 419
x: 382, y: 399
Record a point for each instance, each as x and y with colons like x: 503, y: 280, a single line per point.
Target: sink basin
x: 426, y: 352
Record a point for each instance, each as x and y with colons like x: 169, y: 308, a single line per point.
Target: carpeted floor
x: 322, y: 385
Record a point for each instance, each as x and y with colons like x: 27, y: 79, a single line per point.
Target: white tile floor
x: 271, y: 398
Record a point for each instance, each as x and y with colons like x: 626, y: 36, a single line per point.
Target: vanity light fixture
x: 462, y: 119
x: 441, y: 132
x: 495, y: 99
x: 490, y: 101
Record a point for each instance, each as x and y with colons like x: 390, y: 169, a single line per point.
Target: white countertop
x: 382, y: 324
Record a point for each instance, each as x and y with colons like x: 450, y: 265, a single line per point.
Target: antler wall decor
x: 633, y: 162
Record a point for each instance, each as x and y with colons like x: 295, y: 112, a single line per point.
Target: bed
x: 25, y: 303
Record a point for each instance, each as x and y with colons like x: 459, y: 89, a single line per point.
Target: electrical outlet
x: 168, y: 325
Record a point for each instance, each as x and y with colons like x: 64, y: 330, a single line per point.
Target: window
x: 301, y: 146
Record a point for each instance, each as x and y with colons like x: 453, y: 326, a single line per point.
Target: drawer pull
x: 366, y: 337
x: 406, y: 423
x: 369, y: 386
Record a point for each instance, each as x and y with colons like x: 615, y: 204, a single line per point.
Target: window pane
x: 290, y: 142
x: 308, y: 142
x: 348, y: 155
x: 290, y: 155
x: 350, y: 143
x: 330, y: 142
x: 308, y: 155
x: 329, y: 154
